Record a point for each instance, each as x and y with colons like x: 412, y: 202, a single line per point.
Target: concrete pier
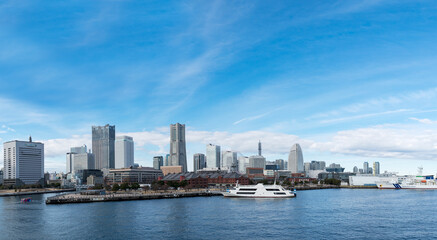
x: 77, y: 198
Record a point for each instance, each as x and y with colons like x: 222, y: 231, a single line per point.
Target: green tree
x: 135, y: 186
x: 115, y: 187
x: 183, y: 183
x: 315, y: 182
x: 124, y: 186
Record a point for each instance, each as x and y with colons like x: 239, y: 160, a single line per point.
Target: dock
x: 78, y: 198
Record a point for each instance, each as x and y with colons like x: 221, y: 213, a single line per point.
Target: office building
x: 295, y: 159
x: 141, y: 175
x: 271, y: 165
x: 366, y: 167
x: 306, y: 166
x: 166, y: 162
x: 199, y: 161
x: 82, y: 161
x: 81, y: 149
x: 178, y: 153
x: 229, y: 161
x: 376, y: 170
x: 280, y: 163
x: 243, y: 163
x: 157, y: 162
x: 212, y: 156
x: 124, y: 152
x: 333, y: 167
x: 257, y: 162
x: 103, y: 139
x: 23, y: 162
x: 355, y: 169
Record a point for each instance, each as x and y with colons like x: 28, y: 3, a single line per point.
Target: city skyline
x: 346, y: 81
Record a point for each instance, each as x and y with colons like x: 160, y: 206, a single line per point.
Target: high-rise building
x: 280, y: 163
x: 124, y: 152
x: 271, y: 165
x: 81, y: 149
x: 229, y: 161
x: 243, y: 163
x: 259, y: 149
x: 157, y: 162
x: 178, y: 152
x: 295, y: 159
x: 103, y: 139
x: 23, y: 162
x: 166, y: 160
x: 376, y: 170
x: 82, y: 161
x: 317, y: 165
x: 355, y: 169
x: 199, y: 161
x: 212, y: 156
x: 257, y: 162
x: 366, y: 167
x: 306, y: 167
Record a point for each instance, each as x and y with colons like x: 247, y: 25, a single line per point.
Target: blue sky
x: 351, y: 81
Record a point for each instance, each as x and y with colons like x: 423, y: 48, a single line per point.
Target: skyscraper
x: 124, y: 152
x: 103, y: 138
x: 295, y: 159
x: 198, y: 161
x: 366, y: 167
x: 257, y: 162
x: 376, y: 170
x: 212, y: 156
x: 355, y: 169
x: 259, y: 149
x: 178, y: 152
x: 23, y: 162
x: 157, y: 162
x: 74, y: 151
x: 280, y: 163
x: 243, y: 163
x: 229, y: 161
x: 166, y: 160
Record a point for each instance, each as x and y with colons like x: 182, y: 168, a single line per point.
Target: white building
x: 124, y: 152
x: 295, y: 159
x: 370, y: 180
x: 243, y: 163
x: 376, y: 169
x: 212, y: 156
x: 23, y: 161
x: 80, y: 161
x: 229, y: 161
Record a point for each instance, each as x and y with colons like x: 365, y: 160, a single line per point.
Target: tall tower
x: 178, y: 152
x: 259, y: 148
x: 103, y: 138
x: 295, y: 159
x: 212, y: 156
x: 124, y: 152
x: 198, y: 161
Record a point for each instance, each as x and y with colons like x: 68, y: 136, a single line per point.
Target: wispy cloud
x: 368, y: 115
x: 424, y: 120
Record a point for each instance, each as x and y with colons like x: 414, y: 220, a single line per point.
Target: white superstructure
x: 259, y: 191
x: 412, y: 182
x: 24, y: 160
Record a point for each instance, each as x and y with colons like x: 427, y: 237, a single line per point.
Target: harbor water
x: 315, y: 214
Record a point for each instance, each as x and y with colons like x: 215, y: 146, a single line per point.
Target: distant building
x: 271, y: 165
x: 355, y: 170
x: 295, y: 159
x: 93, y: 180
x: 229, y: 161
x: 317, y: 165
x: 361, y: 171
x: 171, y: 169
x: 23, y: 162
x: 212, y: 156
x: 257, y: 162
x: 81, y: 149
x: 243, y: 163
x: 82, y: 161
x: 103, y: 139
x: 207, y: 179
x: 82, y: 175
x: 280, y: 163
x: 343, y: 176
x: 365, y: 167
x: 178, y: 152
x: 157, y: 162
x: 166, y: 160
x: 334, y: 168
x: 376, y: 170
x: 70, y: 156
x: 255, y: 173
x: 306, y: 166
x: 199, y: 161
x: 141, y: 175
x: 124, y: 152
x: 259, y: 149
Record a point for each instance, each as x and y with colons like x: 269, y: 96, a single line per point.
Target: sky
x: 350, y: 81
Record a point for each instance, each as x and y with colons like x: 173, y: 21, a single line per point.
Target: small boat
x: 259, y: 191
x: 26, y: 200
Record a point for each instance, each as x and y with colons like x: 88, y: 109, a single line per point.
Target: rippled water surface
x: 317, y: 214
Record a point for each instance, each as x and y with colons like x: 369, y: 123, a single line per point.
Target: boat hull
x: 403, y: 186
x: 231, y: 195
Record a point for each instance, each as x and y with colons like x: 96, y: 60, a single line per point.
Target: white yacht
x: 259, y: 191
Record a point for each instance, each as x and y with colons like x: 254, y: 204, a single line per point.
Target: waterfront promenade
x: 79, y: 198
x: 5, y: 193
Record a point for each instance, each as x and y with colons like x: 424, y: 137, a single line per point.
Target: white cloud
x: 425, y: 120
